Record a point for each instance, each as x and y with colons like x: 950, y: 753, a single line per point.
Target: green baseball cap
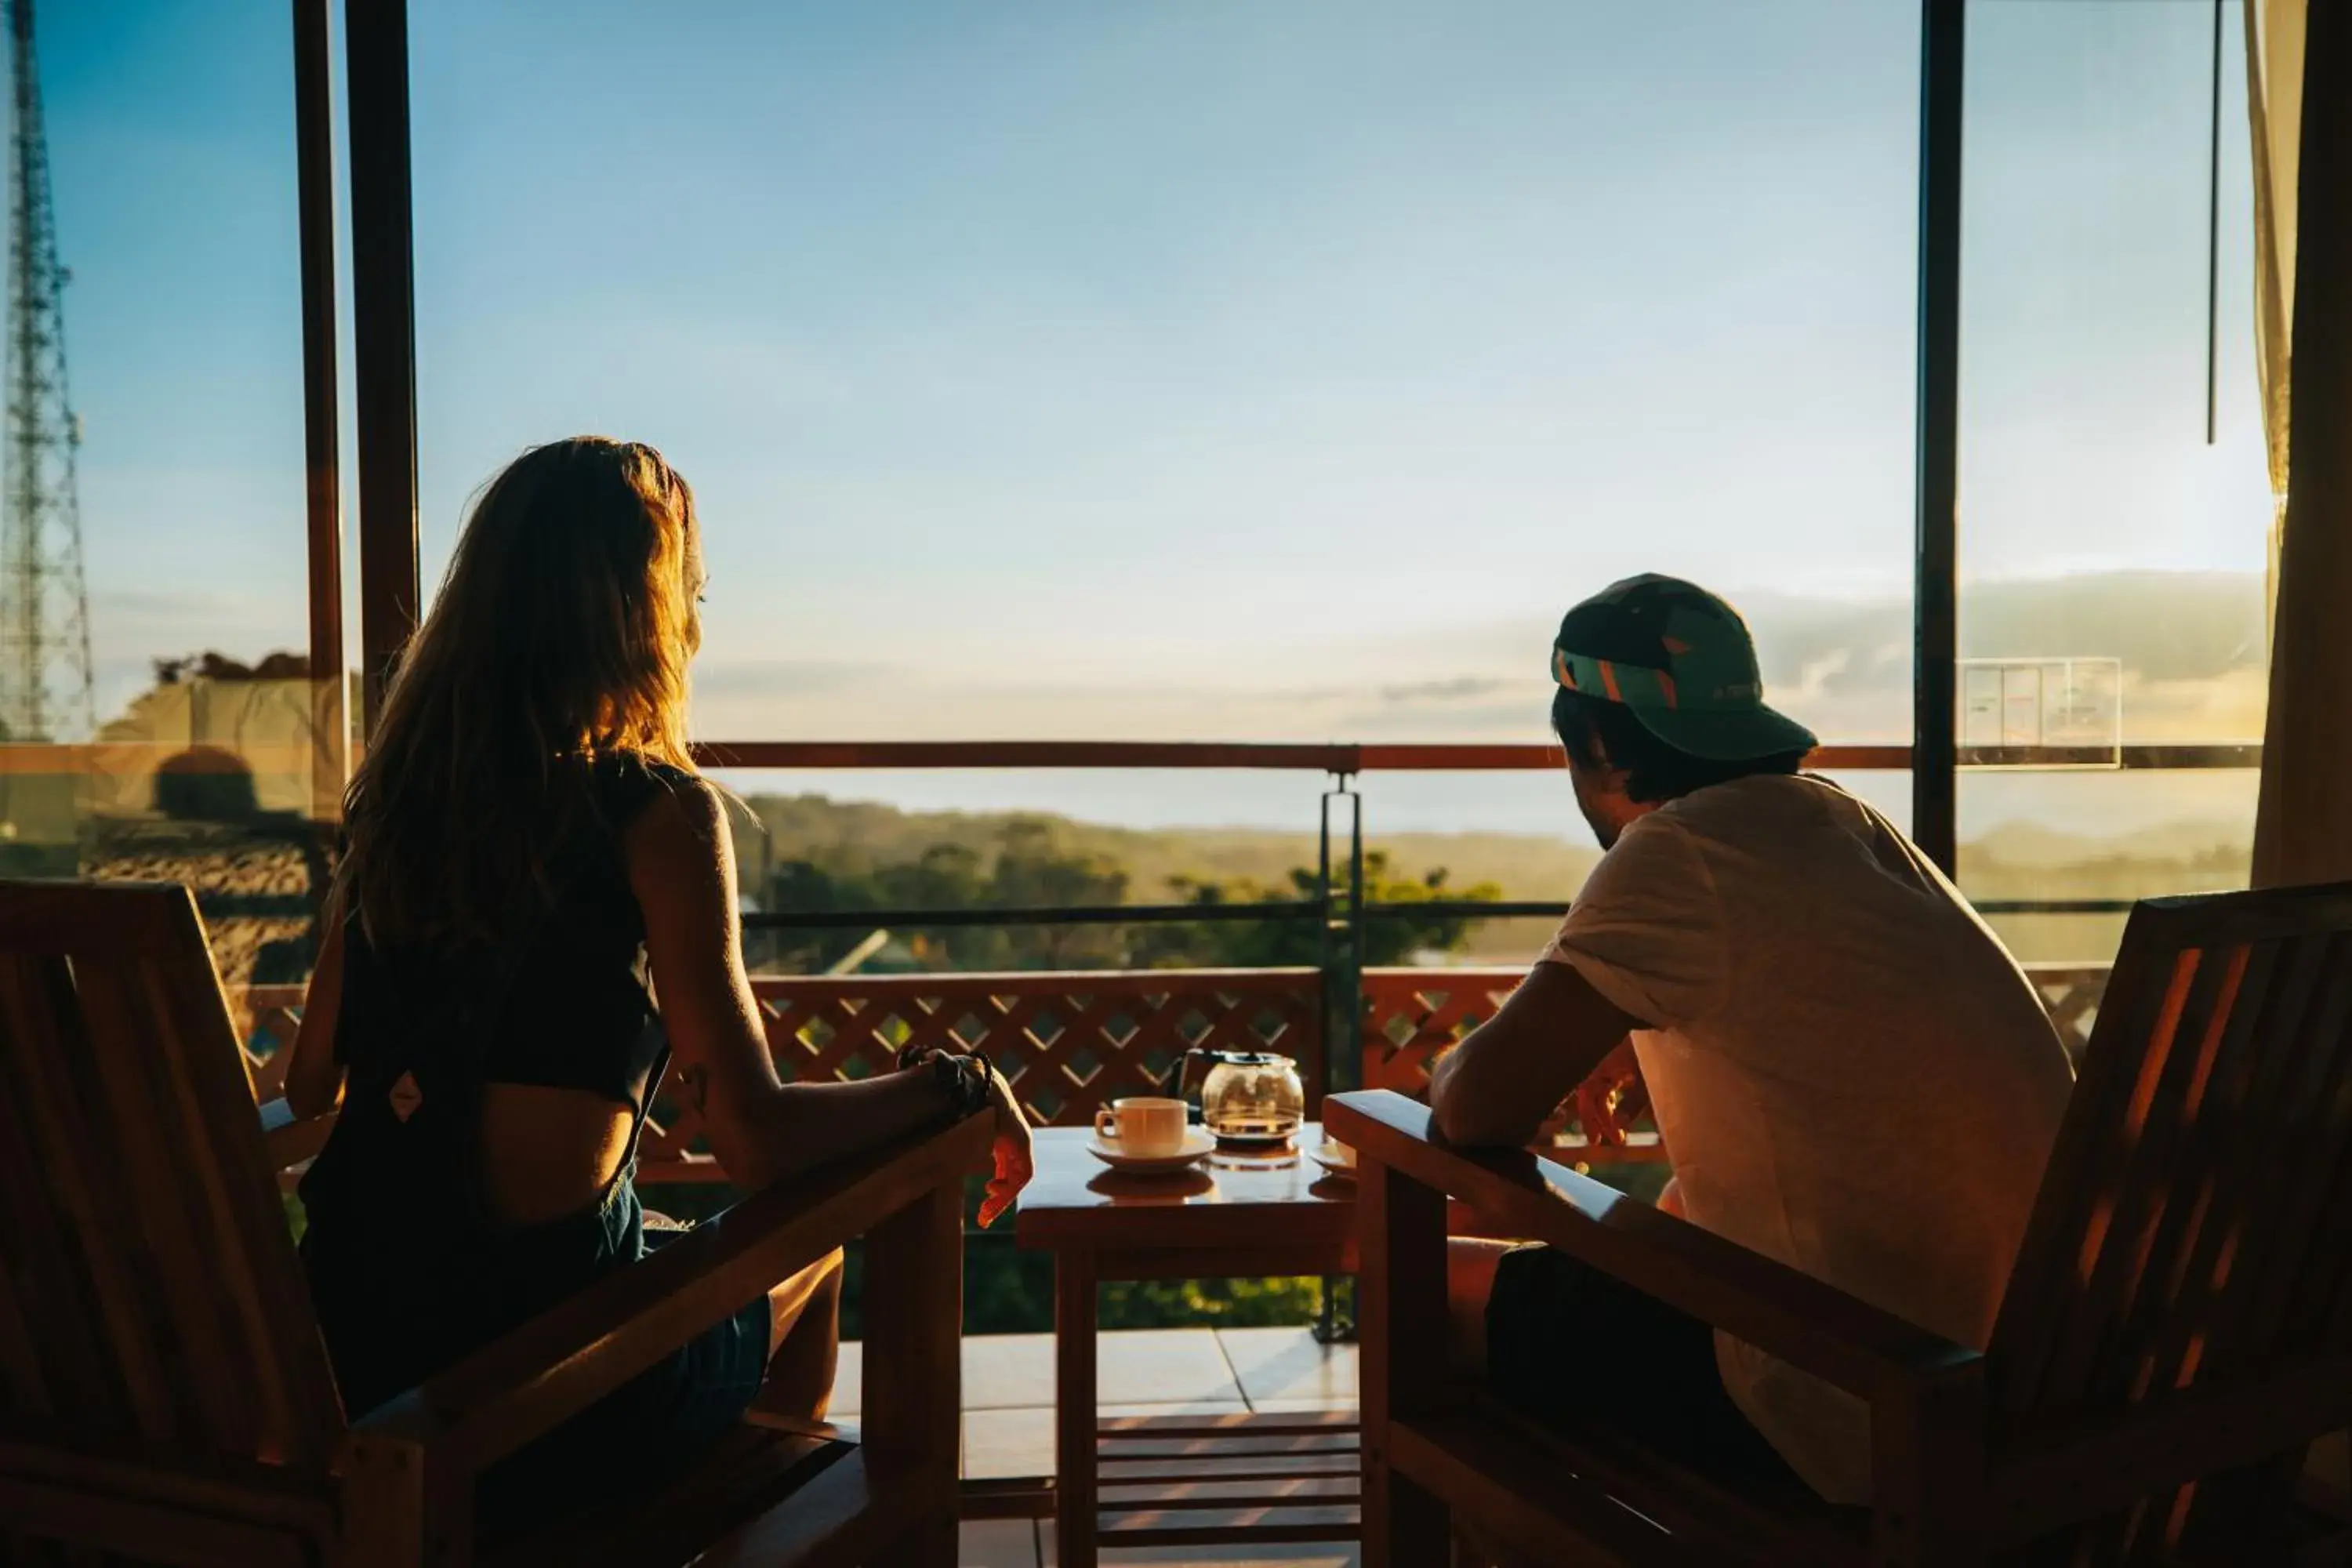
x: 1682, y: 660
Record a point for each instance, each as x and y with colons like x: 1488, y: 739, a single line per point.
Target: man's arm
x: 1497, y: 1086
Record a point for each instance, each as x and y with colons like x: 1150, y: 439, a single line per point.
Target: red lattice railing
x: 1070, y: 1042
x: 1412, y: 1016
x: 2071, y: 993
x: 268, y: 1016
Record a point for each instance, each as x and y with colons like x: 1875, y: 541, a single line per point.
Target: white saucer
x: 1197, y: 1143
x: 1335, y: 1158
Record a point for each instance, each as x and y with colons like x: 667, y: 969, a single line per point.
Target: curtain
x: 2303, y: 145
x: 2275, y: 30
x: 2302, y: 826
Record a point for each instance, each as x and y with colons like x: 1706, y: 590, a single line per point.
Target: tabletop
x: 1225, y: 1200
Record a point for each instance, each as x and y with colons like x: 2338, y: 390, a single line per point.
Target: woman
x: 526, y: 838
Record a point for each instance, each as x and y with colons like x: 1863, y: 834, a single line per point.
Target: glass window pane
x: 1230, y: 371
x: 206, y: 754
x: 2112, y: 561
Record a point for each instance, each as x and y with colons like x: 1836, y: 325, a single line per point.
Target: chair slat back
x: 2190, y: 1228
x: 149, y: 1287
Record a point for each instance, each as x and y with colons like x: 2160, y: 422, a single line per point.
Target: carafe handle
x: 1180, y: 1077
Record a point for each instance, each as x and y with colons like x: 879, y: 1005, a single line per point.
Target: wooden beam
x: 1334, y: 758
x: 2060, y: 1478
x: 500, y: 1396
x: 1401, y: 1315
x: 384, y: 334
x: 106, y: 1522
x: 314, y: 165
x: 1814, y: 1326
x: 1935, y: 640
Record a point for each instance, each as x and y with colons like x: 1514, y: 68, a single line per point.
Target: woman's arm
x: 314, y: 1078
x: 681, y: 864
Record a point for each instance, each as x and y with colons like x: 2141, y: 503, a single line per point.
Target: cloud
x: 787, y: 676
x: 1455, y: 690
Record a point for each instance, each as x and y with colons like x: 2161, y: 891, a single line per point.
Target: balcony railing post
x: 1341, y: 956
x: 1323, y: 933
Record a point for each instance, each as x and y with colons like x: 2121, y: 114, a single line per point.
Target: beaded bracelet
x: 967, y: 1082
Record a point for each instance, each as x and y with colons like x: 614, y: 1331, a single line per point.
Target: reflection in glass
x: 2112, y: 562
x: 210, y: 753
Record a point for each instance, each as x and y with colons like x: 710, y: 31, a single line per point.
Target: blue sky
x: 1251, y: 368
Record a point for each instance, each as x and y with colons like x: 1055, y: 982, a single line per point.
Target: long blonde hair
x: 559, y: 640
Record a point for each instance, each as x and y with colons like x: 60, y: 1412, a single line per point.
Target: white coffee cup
x: 1143, y: 1126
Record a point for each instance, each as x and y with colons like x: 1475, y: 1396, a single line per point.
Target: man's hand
x: 1015, y: 1162
x: 1670, y: 1199
x: 1498, y: 1088
x: 1610, y: 1099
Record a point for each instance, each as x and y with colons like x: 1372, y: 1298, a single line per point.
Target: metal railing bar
x: 256, y: 906
x: 1350, y: 759
x: 1468, y: 909
x: 1554, y: 909
x: 1061, y: 914
x: 2129, y: 759
x: 1278, y: 910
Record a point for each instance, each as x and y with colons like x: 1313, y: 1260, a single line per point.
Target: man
x: 1851, y: 1074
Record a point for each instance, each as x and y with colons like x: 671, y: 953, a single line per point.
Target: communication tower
x: 46, y: 688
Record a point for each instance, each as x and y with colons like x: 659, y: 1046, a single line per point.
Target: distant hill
x: 2029, y: 845
x: 2016, y: 861
x: 856, y: 835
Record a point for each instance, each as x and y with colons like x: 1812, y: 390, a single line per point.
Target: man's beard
x: 1603, y: 831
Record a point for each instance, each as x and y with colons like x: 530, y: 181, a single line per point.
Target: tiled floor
x: 1008, y: 1385
x: 1018, y: 1543
x: 1008, y: 1421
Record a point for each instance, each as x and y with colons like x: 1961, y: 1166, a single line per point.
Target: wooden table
x: 1230, y: 1215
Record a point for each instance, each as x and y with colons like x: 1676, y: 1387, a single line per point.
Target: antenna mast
x: 46, y: 687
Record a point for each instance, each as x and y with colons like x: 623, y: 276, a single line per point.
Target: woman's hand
x: 1014, y: 1161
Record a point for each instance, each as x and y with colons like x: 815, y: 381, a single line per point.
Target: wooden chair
x: 2178, y: 1327
x: 164, y: 1393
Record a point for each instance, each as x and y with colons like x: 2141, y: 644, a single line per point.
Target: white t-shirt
x: 1850, y: 1072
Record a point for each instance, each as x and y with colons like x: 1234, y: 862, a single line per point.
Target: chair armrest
x: 288, y: 1139
x: 1781, y: 1311
x: 526, y: 1383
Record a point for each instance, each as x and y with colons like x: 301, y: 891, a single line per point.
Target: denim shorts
x: 394, y: 1316
x: 643, y: 1433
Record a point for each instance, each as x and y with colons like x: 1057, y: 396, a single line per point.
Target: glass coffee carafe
x: 1246, y: 1097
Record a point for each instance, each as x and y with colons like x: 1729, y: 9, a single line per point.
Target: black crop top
x: 565, y: 1004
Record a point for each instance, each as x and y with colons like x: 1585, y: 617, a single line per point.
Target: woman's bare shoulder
x: 683, y: 825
